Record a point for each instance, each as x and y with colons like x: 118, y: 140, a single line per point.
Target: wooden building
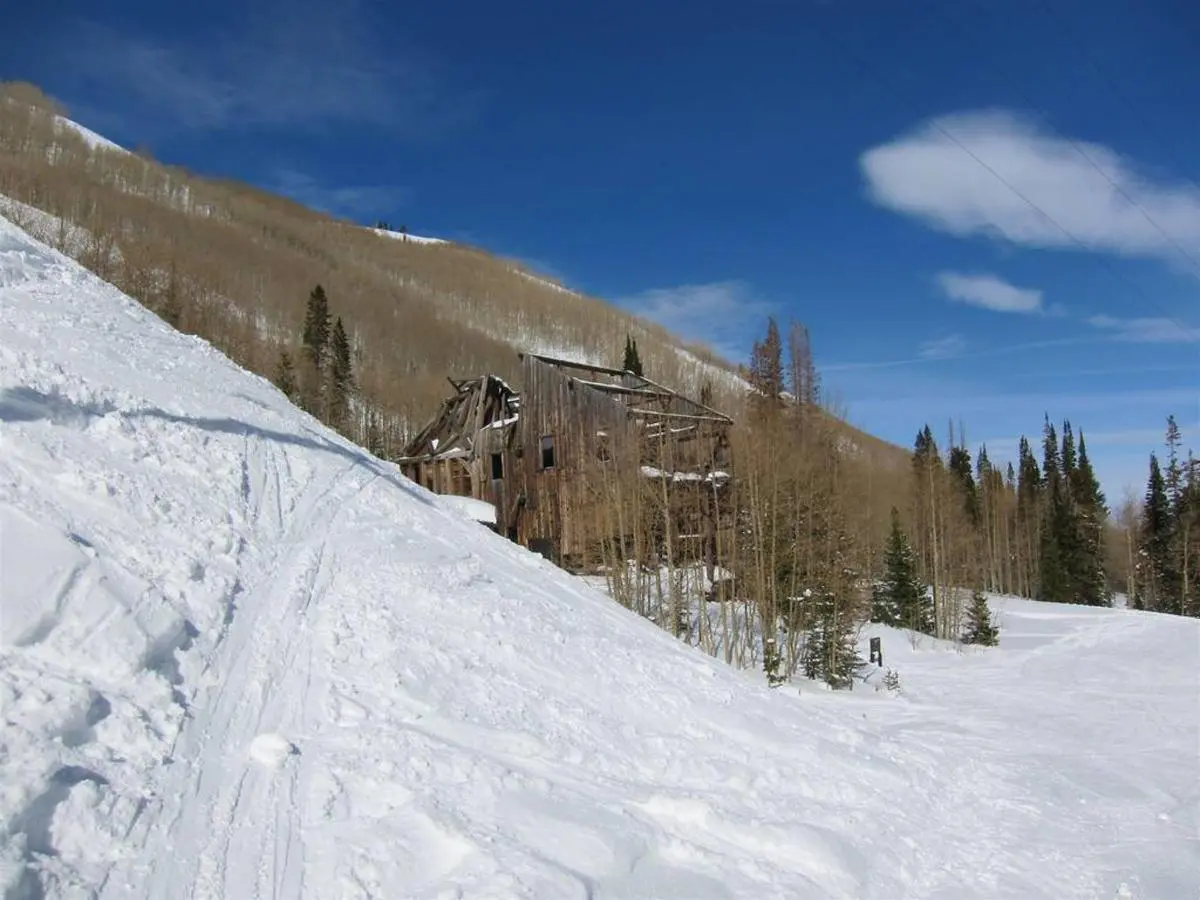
x: 589, y: 466
x: 469, y: 448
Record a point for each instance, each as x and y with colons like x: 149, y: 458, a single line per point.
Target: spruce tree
x: 766, y: 363
x: 831, y: 645
x: 960, y: 467
x: 285, y: 376
x: 1187, y: 529
x: 339, y: 377
x: 979, y: 626
x: 1054, y: 580
x: 1090, y: 571
x: 900, y: 599
x: 316, y: 327
x: 1154, y: 549
x: 632, y: 361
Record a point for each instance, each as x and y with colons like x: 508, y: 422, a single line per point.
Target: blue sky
x: 983, y: 212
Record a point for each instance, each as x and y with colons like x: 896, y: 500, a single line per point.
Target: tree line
x: 1165, y: 534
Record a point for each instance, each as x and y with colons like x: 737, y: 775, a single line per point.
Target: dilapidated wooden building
x: 469, y: 448
x: 590, y: 466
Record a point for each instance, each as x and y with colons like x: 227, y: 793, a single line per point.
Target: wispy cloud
x: 1147, y: 330
x: 1041, y: 191
x: 989, y: 292
x: 311, y: 65
x: 951, y: 346
x: 348, y: 200
x: 1003, y: 350
x: 722, y: 314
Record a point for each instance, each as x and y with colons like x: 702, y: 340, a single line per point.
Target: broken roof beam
x: 695, y: 403
x: 659, y: 414
x: 571, y: 364
x: 621, y: 389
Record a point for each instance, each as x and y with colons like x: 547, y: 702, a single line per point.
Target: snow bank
x: 476, y: 510
x: 404, y: 236
x: 239, y: 657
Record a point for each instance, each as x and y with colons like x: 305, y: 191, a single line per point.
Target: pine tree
x: 900, y: 598
x: 315, y: 345
x: 831, y: 646
x: 1187, y: 529
x: 1054, y: 580
x: 766, y: 363
x: 316, y: 327
x: 1154, y: 550
x: 960, y: 467
x: 979, y: 626
x: 632, y: 361
x: 1090, y: 570
x: 1173, y: 477
x: 339, y: 377
x: 285, y: 376
x: 706, y: 393
x: 1028, y: 525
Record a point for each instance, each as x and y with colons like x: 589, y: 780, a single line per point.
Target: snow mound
x: 240, y: 657
x: 272, y: 750
x: 405, y: 236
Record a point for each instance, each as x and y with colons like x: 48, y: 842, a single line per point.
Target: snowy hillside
x: 92, y: 139
x: 405, y: 236
x: 240, y: 658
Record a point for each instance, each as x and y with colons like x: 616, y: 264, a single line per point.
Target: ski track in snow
x: 241, y: 658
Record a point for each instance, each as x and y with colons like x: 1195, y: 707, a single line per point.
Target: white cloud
x: 949, y: 347
x: 1148, y: 330
x: 990, y: 292
x: 722, y: 314
x: 939, y: 174
x: 309, y: 65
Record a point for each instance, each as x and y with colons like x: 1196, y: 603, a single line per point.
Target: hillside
x: 241, y: 657
x: 235, y: 264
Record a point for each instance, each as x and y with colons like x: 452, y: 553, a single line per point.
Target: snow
x: 412, y: 238
x: 93, y: 140
x: 240, y: 657
x: 476, y: 510
x: 546, y: 282
x: 72, y: 239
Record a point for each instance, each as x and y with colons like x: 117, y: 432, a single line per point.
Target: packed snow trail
x: 241, y: 658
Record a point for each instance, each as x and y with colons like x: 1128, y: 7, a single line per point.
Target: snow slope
x: 404, y: 236
x: 93, y: 140
x: 241, y: 658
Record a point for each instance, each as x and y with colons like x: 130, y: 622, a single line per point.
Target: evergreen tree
x: 1187, y: 528
x: 285, y: 376
x: 1054, y: 578
x: 766, y: 363
x: 1091, y: 516
x: 316, y: 327
x: 960, y: 467
x: 1173, y: 477
x: 831, y: 646
x: 1069, y: 458
x: 1154, y: 550
x: 632, y: 361
x: 339, y: 377
x: 979, y: 626
x: 900, y: 598
x: 706, y: 393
